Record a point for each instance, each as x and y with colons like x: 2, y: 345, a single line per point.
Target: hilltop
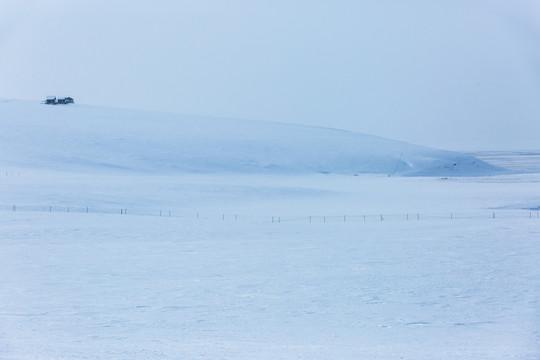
x: 86, y: 138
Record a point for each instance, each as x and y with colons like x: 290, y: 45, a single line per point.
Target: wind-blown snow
x: 267, y: 248
x: 94, y: 286
x: 96, y: 139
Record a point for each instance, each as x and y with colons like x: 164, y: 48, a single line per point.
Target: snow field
x: 101, y: 285
x: 101, y: 140
x: 111, y: 286
x: 265, y: 196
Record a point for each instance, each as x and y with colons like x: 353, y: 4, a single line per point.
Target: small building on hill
x: 53, y: 100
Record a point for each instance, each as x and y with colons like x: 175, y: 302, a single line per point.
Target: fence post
x: 14, y: 208
x: 381, y: 218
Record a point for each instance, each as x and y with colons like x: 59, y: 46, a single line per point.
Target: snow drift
x: 86, y: 138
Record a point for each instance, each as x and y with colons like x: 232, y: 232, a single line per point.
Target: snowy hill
x: 86, y: 138
x: 136, y: 235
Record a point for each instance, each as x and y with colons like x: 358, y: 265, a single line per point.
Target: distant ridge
x: 87, y: 138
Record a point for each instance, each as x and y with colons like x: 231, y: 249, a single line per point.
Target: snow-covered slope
x: 85, y: 138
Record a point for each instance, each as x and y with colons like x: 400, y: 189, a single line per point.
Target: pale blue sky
x: 457, y: 74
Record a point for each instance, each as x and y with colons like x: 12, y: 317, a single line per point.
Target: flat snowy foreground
x: 111, y: 286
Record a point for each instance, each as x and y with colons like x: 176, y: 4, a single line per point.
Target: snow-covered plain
x: 254, y: 256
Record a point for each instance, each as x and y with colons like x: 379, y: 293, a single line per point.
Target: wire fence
x: 371, y: 217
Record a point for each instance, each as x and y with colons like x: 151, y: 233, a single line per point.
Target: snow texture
x: 83, y: 137
x: 265, y: 248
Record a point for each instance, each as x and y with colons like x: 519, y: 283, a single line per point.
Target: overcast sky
x: 459, y: 74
